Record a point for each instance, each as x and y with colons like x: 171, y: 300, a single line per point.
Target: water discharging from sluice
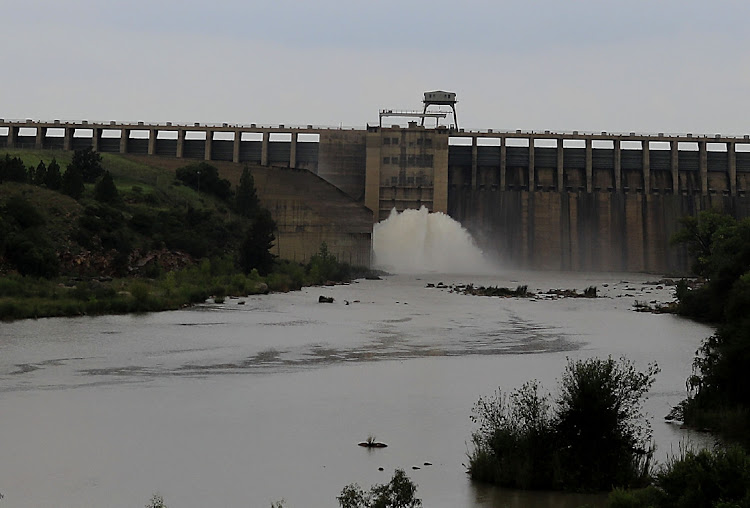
x: 416, y: 241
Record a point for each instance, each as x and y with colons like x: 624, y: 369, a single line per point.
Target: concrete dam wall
x: 583, y: 231
x: 570, y: 201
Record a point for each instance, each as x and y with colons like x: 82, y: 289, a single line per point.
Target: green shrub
x: 398, y: 493
x: 592, y: 438
x: 515, y: 440
x: 598, y: 417
x: 647, y: 497
x: 706, y: 477
x: 323, y: 266
x: 23, y: 213
x: 32, y: 255
x: 204, y: 177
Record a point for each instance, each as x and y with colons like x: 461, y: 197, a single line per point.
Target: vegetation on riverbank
x: 109, y: 235
x: 719, y: 397
x: 589, y: 437
x: 521, y: 442
x: 719, y: 388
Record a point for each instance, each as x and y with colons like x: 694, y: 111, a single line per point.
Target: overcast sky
x: 647, y: 66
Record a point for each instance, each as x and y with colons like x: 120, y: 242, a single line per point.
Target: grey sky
x: 667, y: 66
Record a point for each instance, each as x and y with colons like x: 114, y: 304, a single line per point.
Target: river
x: 265, y: 398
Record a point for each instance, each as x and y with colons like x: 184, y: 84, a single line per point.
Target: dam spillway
x: 570, y: 201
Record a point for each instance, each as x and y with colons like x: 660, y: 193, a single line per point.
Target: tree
x: 204, y: 177
x: 89, y: 163
x: 37, y: 177
x: 592, y: 438
x: 105, y: 190
x: 12, y: 170
x: 598, y: 417
x: 53, y: 178
x: 699, y: 234
x: 398, y: 493
x: 72, y: 182
x: 246, y: 198
x: 32, y: 255
x: 721, y: 246
x: 255, y: 248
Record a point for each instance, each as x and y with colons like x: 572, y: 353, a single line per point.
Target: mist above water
x: 416, y: 241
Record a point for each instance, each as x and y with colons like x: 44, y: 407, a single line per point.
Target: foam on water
x: 416, y: 241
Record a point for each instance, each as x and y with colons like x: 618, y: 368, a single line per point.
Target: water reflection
x: 487, y: 496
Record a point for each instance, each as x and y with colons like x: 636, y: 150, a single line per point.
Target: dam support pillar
x: 180, y: 144
x: 236, y: 146
x: 675, y: 166
x: 474, y: 157
x: 124, y: 133
x: 732, y: 163
x: 68, y: 138
x: 209, y: 144
x: 560, y: 166
x: 41, y: 132
x: 503, y: 161
x: 96, y: 139
x: 703, y: 165
x: 440, y: 174
x: 589, y: 166
x: 618, y: 165
x: 372, y: 171
x: 12, y: 136
x: 532, y: 163
x: 293, y: 151
x: 646, y: 167
x: 152, y: 134
x: 264, y: 149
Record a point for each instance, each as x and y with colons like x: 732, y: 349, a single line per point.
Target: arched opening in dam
x: 417, y: 241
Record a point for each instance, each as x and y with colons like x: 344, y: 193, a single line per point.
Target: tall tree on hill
x: 52, y: 177
x: 89, y: 163
x: 72, y: 182
x: 246, y: 198
x: 37, y: 176
x: 105, y: 190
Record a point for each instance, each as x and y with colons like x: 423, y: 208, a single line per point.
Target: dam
x: 539, y: 199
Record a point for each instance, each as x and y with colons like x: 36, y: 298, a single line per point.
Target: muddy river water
x: 265, y: 398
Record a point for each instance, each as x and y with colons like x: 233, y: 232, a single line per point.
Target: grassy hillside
x: 159, y: 243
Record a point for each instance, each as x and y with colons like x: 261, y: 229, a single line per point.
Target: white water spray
x: 416, y: 241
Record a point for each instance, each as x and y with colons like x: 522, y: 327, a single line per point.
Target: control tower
x: 440, y: 98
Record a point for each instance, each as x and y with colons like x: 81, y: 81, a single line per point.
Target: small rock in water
x: 325, y: 299
x: 241, y: 302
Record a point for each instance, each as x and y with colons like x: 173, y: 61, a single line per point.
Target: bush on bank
x: 719, y: 397
x: 590, y: 437
x: 718, y: 478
